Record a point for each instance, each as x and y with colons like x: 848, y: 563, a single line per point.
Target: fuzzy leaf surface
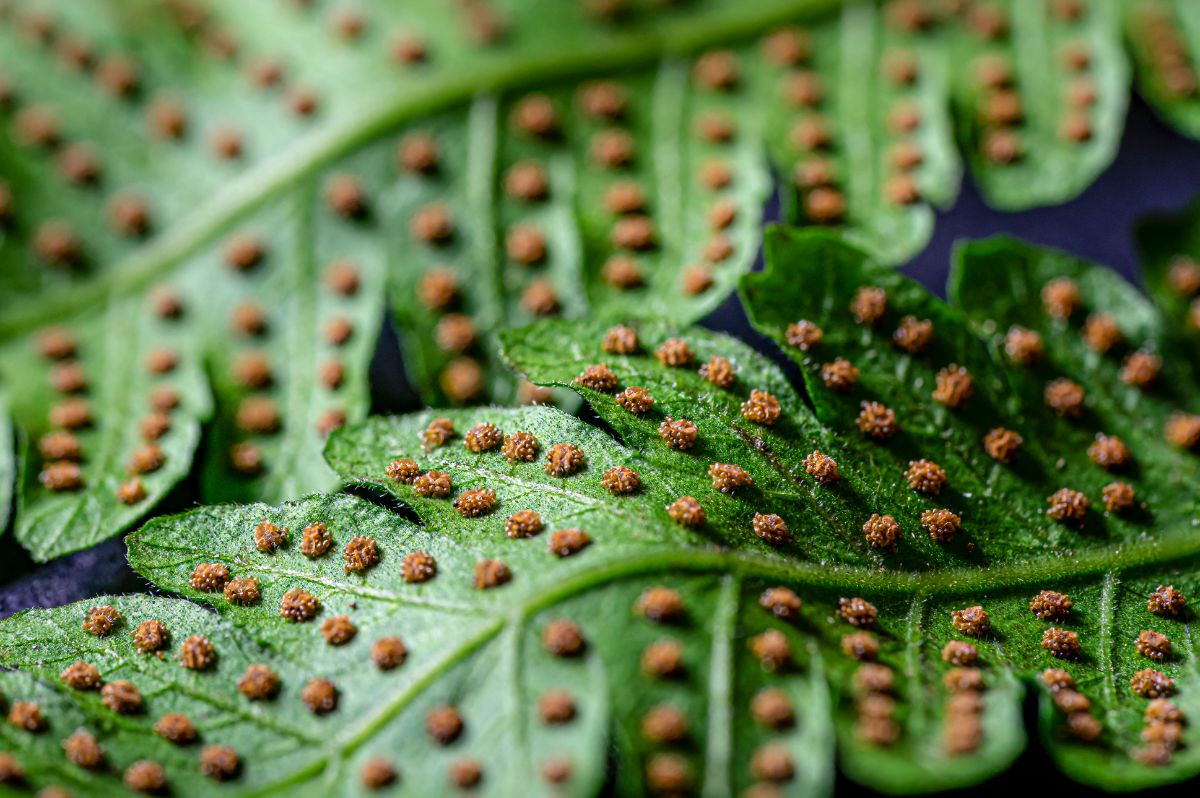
x: 487, y: 651
x: 997, y: 285
x: 1164, y: 38
x: 141, y: 143
x: 1169, y: 247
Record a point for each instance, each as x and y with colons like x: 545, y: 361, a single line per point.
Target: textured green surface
x: 1164, y: 38
x: 480, y: 650
x: 1169, y: 247
x: 1036, y: 46
x: 276, y: 193
x: 997, y: 284
x: 1002, y: 292
x: 211, y: 58
x: 113, y: 349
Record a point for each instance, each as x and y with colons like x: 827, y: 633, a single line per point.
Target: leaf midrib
x: 719, y: 748
x: 1108, y: 612
x: 1117, y: 558
x: 955, y: 581
x: 504, y: 72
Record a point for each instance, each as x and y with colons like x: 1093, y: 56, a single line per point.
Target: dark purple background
x: 1155, y: 170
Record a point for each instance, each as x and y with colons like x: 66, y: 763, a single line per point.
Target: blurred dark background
x: 1155, y: 171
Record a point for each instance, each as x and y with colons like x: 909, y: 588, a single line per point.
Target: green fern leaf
x: 571, y: 622
x: 1169, y: 247
x: 478, y: 165
x: 1164, y: 37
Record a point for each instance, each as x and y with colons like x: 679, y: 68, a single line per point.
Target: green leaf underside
x: 465, y: 94
x: 481, y: 650
x: 344, y: 125
x: 298, y: 307
x: 1164, y: 38
x: 116, y: 346
x: 276, y: 193
x: 1003, y: 511
x: 303, y: 241
x: 1169, y: 247
x: 996, y: 284
x: 1038, y: 48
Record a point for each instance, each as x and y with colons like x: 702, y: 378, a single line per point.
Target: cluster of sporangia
x: 963, y: 731
x: 873, y: 681
x: 1140, y: 369
x: 611, y: 148
x: 561, y: 460
x: 63, y: 449
x: 1159, y: 34
x: 250, y: 367
x: 604, y: 107
x: 37, y: 125
x: 1164, y: 721
x: 34, y: 125
x: 118, y: 75
x: 258, y: 683
x: 1001, y: 113
x: 874, y: 685
x: 440, y: 290
x: 58, y: 245
x: 168, y: 120
x: 761, y: 407
x: 82, y: 749
x: 814, y: 174
x: 771, y: 708
x: 1183, y: 276
x: 954, y: 386
x: 612, y: 161
x: 662, y: 725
